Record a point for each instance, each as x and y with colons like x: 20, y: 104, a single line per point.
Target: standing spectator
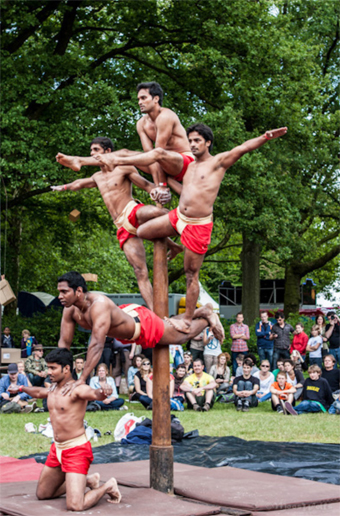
x: 279, y: 367
x: 266, y: 380
x: 36, y: 367
x: 300, y: 340
x: 316, y: 395
x: 282, y: 391
x: 330, y: 374
x: 332, y: 333
x: 197, y: 346
x: 176, y: 352
x: 321, y: 322
x: 27, y: 343
x: 7, y: 340
x: 221, y: 372
x: 98, y: 382
x: 281, y: 334
x: 14, y: 378
x: 188, y: 362
x: 245, y: 388
x: 212, y: 349
x: 239, y: 333
x: 314, y: 346
x: 294, y: 377
x: 199, y: 388
x: 79, y: 364
x: 140, y: 380
x: 265, y: 346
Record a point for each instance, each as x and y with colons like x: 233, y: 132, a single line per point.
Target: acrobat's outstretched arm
x: 78, y: 184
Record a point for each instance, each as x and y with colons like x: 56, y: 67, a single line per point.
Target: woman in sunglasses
x: 266, y: 380
x: 140, y: 380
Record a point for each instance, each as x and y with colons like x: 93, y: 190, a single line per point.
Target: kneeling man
x: 70, y: 457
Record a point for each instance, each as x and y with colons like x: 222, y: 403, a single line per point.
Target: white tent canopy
x: 205, y: 298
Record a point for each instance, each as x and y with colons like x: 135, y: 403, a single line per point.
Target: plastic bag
x: 125, y: 425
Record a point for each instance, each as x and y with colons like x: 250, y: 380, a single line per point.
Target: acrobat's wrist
x: 163, y: 184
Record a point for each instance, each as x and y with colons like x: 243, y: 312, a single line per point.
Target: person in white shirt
x: 314, y: 346
x: 266, y: 380
x: 97, y: 382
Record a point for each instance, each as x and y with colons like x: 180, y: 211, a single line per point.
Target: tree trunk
x: 292, y: 297
x: 250, y: 258
x: 13, y: 256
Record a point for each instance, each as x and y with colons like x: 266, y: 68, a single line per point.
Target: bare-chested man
x: 159, y: 127
x: 70, y: 456
x: 127, y: 323
x: 115, y: 186
x: 193, y: 217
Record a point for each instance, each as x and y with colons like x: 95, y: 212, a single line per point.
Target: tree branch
x: 21, y: 198
x: 331, y: 48
x: 329, y: 237
x: 304, y: 268
x: 65, y: 32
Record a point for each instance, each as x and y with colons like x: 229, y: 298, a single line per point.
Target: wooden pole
x: 161, y: 451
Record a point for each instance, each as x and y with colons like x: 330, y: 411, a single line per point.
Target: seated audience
x: 221, y: 372
x: 279, y: 367
x: 316, y: 395
x: 335, y: 407
x: 7, y: 340
x: 136, y: 363
x: 14, y: 378
x: 282, y: 391
x: 149, y: 388
x: 36, y: 367
x: 98, y: 382
x: 197, y: 346
x: 266, y: 379
x: 297, y: 359
x: 21, y: 370
x: 254, y: 369
x: 330, y: 374
x: 122, y: 359
x: 294, y: 377
x: 314, y: 346
x: 212, y: 349
x: 245, y: 388
x: 140, y: 379
x: 188, y: 362
x: 264, y: 345
x: 179, y: 377
x: 199, y: 388
x: 300, y: 340
x: 79, y: 364
x: 27, y: 343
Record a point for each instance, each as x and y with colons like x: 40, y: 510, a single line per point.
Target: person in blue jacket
x: 13, y: 378
x: 265, y: 347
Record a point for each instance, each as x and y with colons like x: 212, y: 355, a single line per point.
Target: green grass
x: 259, y: 424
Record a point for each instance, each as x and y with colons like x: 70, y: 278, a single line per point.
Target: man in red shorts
x: 193, y: 217
x: 160, y: 128
x: 66, y: 468
x: 115, y: 186
x: 129, y: 323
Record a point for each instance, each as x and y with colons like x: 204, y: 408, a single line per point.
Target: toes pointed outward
x: 113, y: 491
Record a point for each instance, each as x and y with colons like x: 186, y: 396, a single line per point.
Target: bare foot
x: 181, y: 325
x: 174, y: 250
x: 276, y: 133
x: 93, y: 481
x: 72, y: 162
x: 216, y: 327
x: 113, y: 491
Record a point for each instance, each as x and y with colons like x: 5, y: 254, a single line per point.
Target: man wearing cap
x: 36, y: 367
x: 13, y: 378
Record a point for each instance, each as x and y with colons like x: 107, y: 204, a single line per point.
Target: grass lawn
x: 259, y: 424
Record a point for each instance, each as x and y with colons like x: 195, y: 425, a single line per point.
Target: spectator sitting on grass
x: 316, y: 395
x: 279, y: 367
x: 199, y: 388
x: 140, y: 383
x: 281, y: 390
x: 254, y: 369
x: 36, y: 367
x: 136, y: 363
x: 295, y: 377
x: 221, y: 372
x: 297, y: 359
x: 330, y: 374
x: 314, y: 346
x: 188, y: 362
x: 335, y: 407
x: 149, y: 388
x: 98, y: 382
x: 266, y: 379
x: 79, y: 364
x: 21, y: 370
x: 245, y: 388
x: 14, y: 378
x: 179, y: 375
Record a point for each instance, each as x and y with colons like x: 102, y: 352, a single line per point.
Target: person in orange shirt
x: 282, y: 391
x: 300, y: 340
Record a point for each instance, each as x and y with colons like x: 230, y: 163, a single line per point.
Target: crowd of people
x: 201, y: 376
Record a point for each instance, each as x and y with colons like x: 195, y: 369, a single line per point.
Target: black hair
x: 180, y: 366
x: 154, y: 89
x: 279, y: 314
x: 104, y: 142
x: 204, y: 131
x: 248, y: 362
x: 288, y: 361
x: 199, y: 360
x: 74, y: 280
x: 61, y: 356
x: 134, y: 360
x: 251, y: 356
x: 330, y: 313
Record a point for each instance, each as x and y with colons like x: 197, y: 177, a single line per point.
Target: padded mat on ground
x: 326, y: 509
x: 228, y: 487
x: 20, y: 500
x: 17, y: 470
x: 319, y: 462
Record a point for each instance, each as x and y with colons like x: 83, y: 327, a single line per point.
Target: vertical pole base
x: 162, y: 468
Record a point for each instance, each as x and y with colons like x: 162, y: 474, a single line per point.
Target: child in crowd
x: 282, y: 391
x: 314, y: 346
x: 279, y: 367
x: 188, y: 362
x: 300, y: 340
x: 316, y: 394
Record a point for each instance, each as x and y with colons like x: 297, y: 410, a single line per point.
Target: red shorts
x: 186, y: 162
x: 152, y: 328
x: 73, y: 460
x: 195, y: 237
x: 122, y: 234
